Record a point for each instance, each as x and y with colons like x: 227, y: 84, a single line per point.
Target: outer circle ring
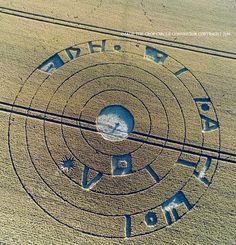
x: 9, y: 143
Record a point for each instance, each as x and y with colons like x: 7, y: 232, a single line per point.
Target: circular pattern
x: 112, y: 140
x: 115, y: 123
x: 151, y: 219
x: 132, y: 103
x: 205, y: 107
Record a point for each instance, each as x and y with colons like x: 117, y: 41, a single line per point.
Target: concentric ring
x: 45, y: 171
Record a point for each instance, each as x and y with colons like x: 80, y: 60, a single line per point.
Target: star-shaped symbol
x: 67, y: 164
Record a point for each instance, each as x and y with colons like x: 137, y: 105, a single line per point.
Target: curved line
x: 106, y: 90
x: 56, y: 218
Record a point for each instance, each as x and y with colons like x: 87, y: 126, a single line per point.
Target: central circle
x: 115, y: 123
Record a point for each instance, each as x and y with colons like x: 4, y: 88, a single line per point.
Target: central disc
x: 115, y: 123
